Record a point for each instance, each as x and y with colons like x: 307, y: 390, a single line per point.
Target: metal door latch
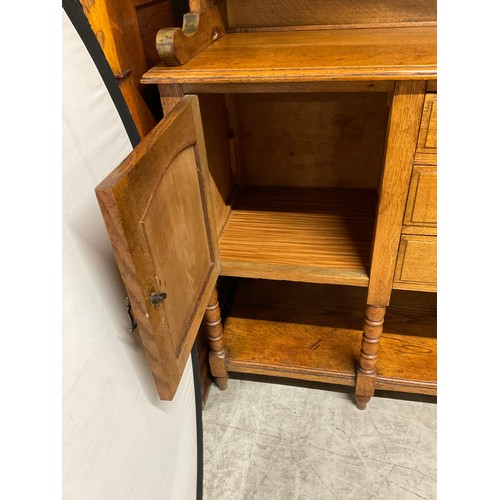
x: 156, y: 298
x: 133, y: 322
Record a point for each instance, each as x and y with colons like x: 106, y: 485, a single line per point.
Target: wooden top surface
x: 307, y: 56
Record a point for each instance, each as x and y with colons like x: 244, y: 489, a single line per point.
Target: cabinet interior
x: 294, y: 182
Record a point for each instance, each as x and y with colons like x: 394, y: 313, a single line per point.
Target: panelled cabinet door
x: 157, y: 209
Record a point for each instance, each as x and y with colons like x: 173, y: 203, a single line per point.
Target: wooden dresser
x: 296, y: 165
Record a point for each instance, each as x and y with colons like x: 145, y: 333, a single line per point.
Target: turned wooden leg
x: 218, y: 353
x: 367, y: 369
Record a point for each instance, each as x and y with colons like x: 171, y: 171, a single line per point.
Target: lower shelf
x: 313, y: 332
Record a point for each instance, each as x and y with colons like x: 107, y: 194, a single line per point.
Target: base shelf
x: 313, y: 332
x: 302, y: 234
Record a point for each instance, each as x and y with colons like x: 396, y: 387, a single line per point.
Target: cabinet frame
x: 406, y: 84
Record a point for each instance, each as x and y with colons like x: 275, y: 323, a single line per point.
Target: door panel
x: 157, y: 209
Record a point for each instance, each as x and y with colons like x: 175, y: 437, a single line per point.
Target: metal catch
x: 156, y: 298
x: 133, y: 322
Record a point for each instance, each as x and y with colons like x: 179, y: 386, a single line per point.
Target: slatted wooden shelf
x: 303, y: 234
x: 309, y: 56
x: 313, y: 332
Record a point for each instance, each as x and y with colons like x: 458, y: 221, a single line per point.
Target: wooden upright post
x: 218, y: 352
x: 404, y: 124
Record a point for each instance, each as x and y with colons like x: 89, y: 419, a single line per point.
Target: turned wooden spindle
x: 367, y: 369
x: 218, y: 352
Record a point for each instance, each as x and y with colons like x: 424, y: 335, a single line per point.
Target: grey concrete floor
x: 266, y: 440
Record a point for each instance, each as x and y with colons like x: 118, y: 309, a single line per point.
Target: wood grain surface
x: 416, y: 267
x: 318, y: 235
x: 287, y: 87
x: 157, y: 208
x: 317, y: 140
x: 300, y: 56
x: 215, y: 130
x: 421, y: 207
x: 404, y: 124
x: 427, y: 138
x: 178, y: 45
x: 117, y: 30
x: 312, y: 332
x: 152, y: 16
x: 272, y: 13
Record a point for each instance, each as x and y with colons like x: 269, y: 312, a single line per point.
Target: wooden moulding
x: 427, y: 138
x: 421, y: 207
x: 287, y: 87
x: 416, y: 267
x: 176, y: 46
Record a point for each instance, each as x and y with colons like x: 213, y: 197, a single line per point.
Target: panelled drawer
x: 427, y: 137
x: 416, y: 267
x: 421, y: 207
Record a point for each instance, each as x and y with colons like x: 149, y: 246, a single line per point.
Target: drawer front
x: 416, y: 267
x: 421, y: 208
x: 427, y: 137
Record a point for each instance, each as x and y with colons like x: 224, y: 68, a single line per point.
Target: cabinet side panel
x: 215, y: 130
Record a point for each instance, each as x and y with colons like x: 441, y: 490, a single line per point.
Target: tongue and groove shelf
x: 316, y: 234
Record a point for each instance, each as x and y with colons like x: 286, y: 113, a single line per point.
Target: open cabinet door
x: 158, y: 212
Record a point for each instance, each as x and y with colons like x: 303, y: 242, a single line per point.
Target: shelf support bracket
x: 176, y: 46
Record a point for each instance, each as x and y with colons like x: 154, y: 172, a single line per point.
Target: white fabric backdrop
x: 119, y: 440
